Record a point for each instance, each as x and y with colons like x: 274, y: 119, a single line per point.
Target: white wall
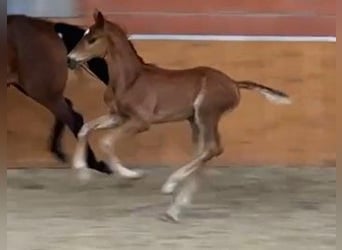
x: 44, y: 8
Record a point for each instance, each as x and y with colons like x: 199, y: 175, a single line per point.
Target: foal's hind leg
x: 184, y: 195
x: 198, y: 142
x: 208, y: 127
x: 208, y: 134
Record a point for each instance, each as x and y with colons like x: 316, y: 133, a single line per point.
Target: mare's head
x: 95, y: 42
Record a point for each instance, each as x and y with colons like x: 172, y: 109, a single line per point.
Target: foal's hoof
x: 84, y: 174
x: 168, y: 217
x: 132, y: 174
x: 137, y: 174
x: 169, y: 187
x: 79, y: 164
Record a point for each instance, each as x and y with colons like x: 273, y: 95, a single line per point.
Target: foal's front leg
x: 108, y: 145
x: 102, y: 122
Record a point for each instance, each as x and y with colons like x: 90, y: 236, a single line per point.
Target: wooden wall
x: 239, y: 17
x: 258, y: 132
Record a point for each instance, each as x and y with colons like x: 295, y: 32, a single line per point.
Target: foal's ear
x: 98, y: 18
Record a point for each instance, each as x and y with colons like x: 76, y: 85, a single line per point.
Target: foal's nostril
x: 72, y: 63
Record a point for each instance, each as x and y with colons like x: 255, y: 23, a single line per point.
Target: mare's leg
x: 99, y: 68
x: 109, y: 142
x: 63, y: 112
x: 56, y: 136
x: 102, y: 122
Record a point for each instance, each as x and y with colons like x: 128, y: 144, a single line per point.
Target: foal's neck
x: 124, y: 64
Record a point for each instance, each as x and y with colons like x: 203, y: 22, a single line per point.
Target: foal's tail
x: 272, y: 95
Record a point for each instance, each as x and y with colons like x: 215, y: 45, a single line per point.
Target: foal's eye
x: 91, y: 40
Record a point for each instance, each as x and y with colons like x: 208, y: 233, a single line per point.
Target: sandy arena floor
x: 236, y: 209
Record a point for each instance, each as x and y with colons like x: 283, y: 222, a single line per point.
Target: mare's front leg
x: 103, y: 122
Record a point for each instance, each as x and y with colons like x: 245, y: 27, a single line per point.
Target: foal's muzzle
x: 72, y: 63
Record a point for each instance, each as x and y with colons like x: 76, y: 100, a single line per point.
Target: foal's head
x: 95, y: 41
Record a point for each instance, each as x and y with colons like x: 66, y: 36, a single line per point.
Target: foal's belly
x: 172, y: 107
x: 163, y: 116
x: 173, y: 95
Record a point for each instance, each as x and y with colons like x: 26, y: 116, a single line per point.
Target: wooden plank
x: 316, y: 7
x: 221, y: 24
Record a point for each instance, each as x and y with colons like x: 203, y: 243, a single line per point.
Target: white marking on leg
x: 200, y: 97
x: 172, y: 182
x: 79, y: 157
x: 83, y: 131
x: 197, y: 103
x: 126, y: 172
x: 79, y: 160
x: 107, y: 143
x: 79, y: 163
x: 182, y: 173
x: 172, y: 213
x: 183, y: 197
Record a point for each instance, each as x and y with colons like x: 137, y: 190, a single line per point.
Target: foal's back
x: 189, y: 82
x: 174, y: 93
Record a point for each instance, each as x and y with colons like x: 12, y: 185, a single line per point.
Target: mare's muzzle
x: 72, y: 63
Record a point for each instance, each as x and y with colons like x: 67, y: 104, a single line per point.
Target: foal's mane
x: 123, y: 32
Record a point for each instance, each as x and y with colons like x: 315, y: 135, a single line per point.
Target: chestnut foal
x: 139, y: 95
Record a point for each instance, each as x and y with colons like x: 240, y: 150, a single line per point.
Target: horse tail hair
x: 273, y: 95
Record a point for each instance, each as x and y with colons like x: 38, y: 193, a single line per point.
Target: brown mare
x: 139, y: 95
x: 37, y: 66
